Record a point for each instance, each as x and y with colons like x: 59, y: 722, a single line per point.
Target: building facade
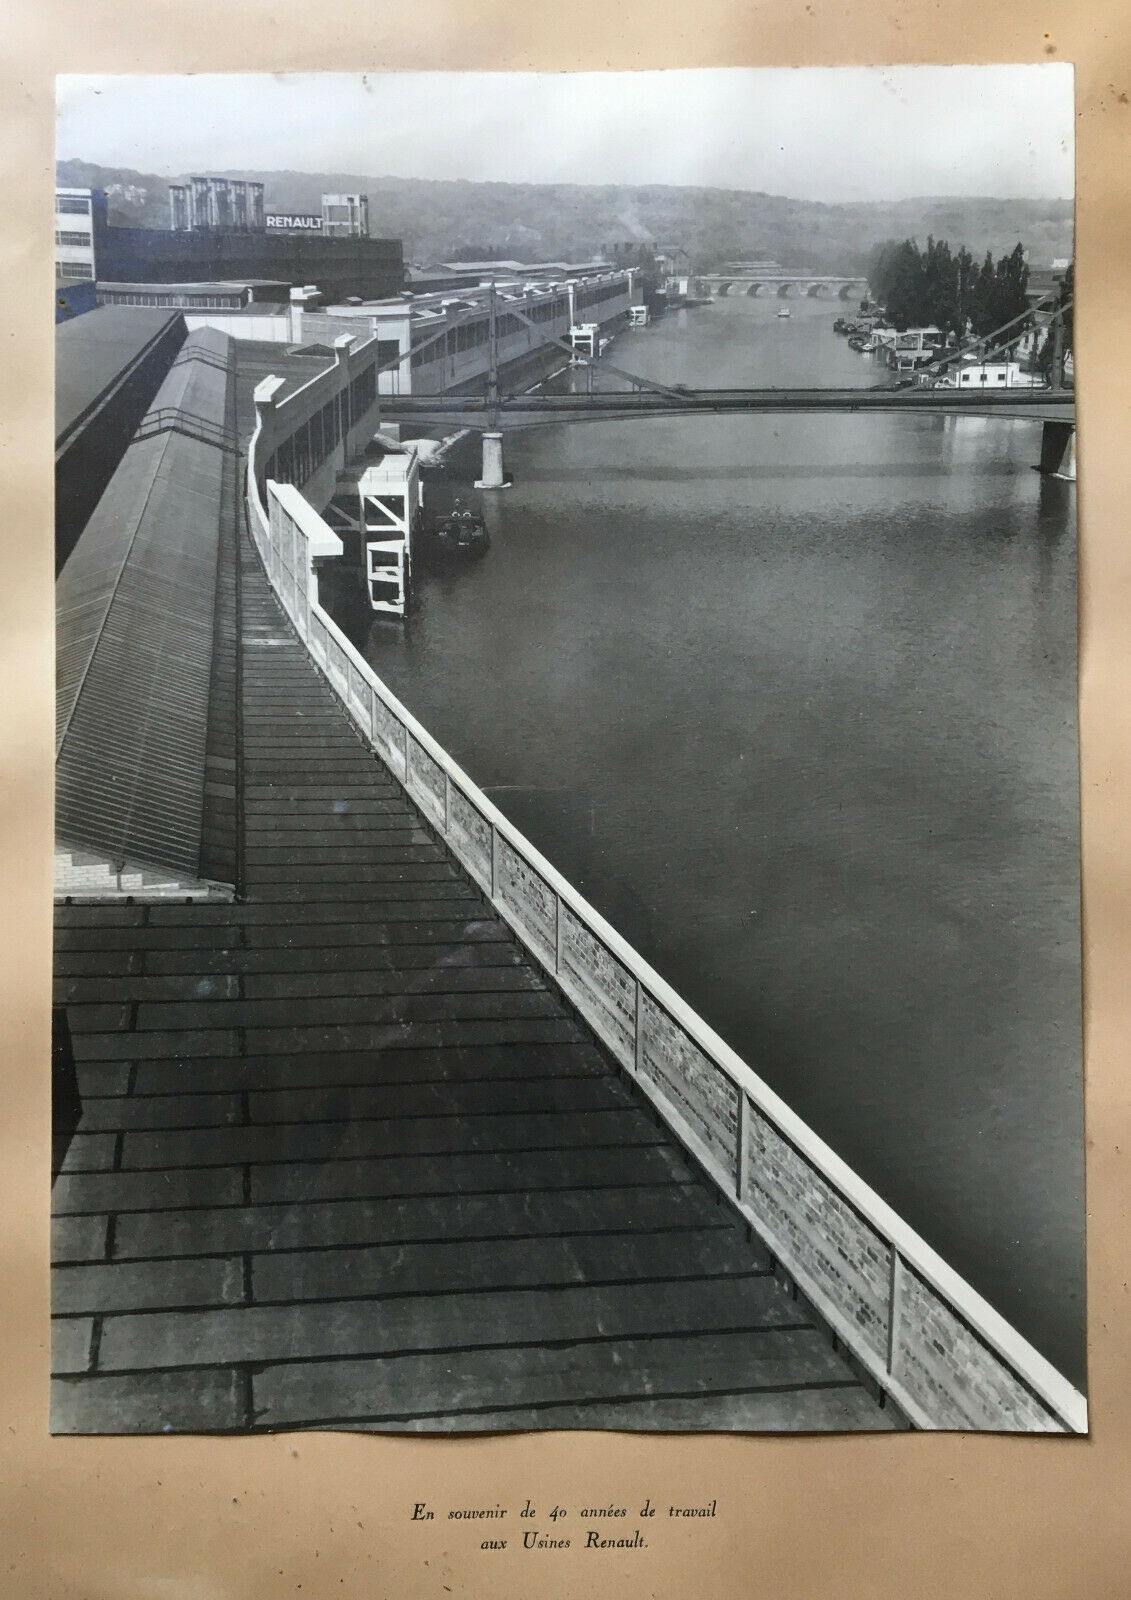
x: 204, y: 204
x: 210, y: 296
x: 345, y: 216
x: 371, y: 269
x: 218, y: 234
x: 444, y: 340
x: 80, y: 225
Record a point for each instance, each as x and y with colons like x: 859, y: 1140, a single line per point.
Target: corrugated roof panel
x: 135, y: 617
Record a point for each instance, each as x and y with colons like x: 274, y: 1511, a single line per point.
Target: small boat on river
x: 785, y: 312
x: 461, y: 535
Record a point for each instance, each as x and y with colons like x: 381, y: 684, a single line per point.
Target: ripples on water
x: 791, y: 700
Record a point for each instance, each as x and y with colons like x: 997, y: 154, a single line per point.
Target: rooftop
x: 208, y: 286
x: 134, y: 608
x: 92, y: 352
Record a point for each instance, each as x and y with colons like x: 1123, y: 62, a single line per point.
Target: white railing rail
x: 925, y: 1335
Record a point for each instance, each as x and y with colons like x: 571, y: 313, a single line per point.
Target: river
x: 791, y: 700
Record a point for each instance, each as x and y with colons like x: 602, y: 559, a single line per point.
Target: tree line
x: 948, y: 288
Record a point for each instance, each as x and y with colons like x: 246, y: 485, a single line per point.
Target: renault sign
x: 293, y: 222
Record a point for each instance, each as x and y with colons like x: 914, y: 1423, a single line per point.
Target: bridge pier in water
x: 493, y: 475
x: 1058, y: 450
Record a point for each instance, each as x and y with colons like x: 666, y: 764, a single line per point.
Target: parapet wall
x: 926, y: 1337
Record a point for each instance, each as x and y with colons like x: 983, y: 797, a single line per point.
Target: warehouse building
x: 342, y: 265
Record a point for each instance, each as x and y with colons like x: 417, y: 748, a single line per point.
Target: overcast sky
x: 842, y: 133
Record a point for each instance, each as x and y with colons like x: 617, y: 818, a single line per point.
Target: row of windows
x: 298, y: 458
x: 208, y: 302
x: 606, y: 291
x: 471, y: 334
x: 548, y: 310
x: 74, y: 269
x: 73, y: 238
x: 72, y: 205
x: 468, y: 336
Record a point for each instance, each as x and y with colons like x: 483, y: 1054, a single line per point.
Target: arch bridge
x: 815, y: 286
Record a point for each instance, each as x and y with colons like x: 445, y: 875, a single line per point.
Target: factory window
x: 329, y: 426
x: 363, y: 391
x: 71, y: 238
x: 75, y: 269
x: 72, y: 205
x: 301, y: 444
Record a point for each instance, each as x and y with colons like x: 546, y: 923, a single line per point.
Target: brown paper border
x: 327, y: 1514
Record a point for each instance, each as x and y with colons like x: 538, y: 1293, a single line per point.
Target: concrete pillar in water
x: 493, y: 475
x: 1058, y: 450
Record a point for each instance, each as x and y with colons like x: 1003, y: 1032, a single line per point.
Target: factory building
x: 205, y: 204
x: 342, y: 264
x: 345, y: 216
x: 80, y: 224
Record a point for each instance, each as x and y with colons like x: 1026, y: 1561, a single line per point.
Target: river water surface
x: 791, y: 700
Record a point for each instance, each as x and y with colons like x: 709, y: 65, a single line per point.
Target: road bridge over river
x: 528, y: 410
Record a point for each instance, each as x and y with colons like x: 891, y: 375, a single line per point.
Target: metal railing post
x: 895, y: 1298
x: 638, y: 1041
x: 740, y: 1162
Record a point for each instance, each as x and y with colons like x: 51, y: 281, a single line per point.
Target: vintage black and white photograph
x: 567, y: 895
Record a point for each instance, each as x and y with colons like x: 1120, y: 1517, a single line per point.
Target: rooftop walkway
x: 346, y: 1158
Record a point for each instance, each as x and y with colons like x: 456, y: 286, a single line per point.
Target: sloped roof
x: 134, y: 633
x: 96, y: 351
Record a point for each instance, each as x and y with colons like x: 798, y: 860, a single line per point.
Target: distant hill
x: 438, y: 218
